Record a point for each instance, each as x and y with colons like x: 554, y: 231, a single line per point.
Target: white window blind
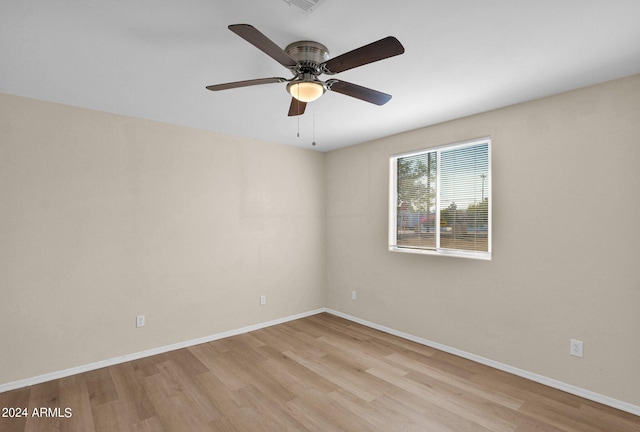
x: 440, y: 201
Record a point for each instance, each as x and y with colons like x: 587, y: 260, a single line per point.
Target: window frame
x: 393, y: 200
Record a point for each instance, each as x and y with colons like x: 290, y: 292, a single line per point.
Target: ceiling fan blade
x: 359, y: 92
x: 297, y: 107
x: 245, y: 83
x: 263, y: 43
x: 379, y: 50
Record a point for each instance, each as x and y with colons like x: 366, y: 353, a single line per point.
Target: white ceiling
x: 153, y: 58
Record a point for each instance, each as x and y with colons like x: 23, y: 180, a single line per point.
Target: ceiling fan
x: 307, y: 60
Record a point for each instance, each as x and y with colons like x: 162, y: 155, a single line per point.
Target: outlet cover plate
x: 576, y: 348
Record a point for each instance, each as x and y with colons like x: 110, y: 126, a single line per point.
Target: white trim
x: 541, y: 379
x: 587, y: 394
x: 442, y: 252
x: 150, y: 352
x: 393, y: 201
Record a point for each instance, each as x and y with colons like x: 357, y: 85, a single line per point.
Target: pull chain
x: 313, y: 143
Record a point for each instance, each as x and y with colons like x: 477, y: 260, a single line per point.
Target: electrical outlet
x: 575, y: 348
x: 263, y: 300
x: 353, y: 295
x: 140, y: 321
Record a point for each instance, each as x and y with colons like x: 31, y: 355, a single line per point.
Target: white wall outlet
x: 576, y: 348
x: 263, y: 300
x: 140, y: 321
x: 353, y: 295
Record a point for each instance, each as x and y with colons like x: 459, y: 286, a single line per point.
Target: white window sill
x: 443, y: 252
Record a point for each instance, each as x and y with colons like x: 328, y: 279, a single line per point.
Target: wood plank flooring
x: 320, y: 373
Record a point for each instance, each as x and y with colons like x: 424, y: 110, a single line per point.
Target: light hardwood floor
x: 320, y: 373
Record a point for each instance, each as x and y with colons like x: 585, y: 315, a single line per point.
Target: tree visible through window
x: 440, y: 200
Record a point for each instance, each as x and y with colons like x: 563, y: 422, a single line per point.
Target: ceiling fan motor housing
x: 309, y: 55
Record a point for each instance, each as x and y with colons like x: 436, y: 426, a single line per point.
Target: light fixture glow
x: 306, y: 91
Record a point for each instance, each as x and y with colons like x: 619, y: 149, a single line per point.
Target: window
x: 440, y: 201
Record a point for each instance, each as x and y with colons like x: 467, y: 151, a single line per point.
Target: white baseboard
x: 587, y: 394
x: 147, y: 353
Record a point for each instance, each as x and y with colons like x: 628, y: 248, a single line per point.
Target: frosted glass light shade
x: 306, y: 91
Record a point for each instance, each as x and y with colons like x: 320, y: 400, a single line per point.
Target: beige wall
x: 566, y: 241
x: 104, y: 217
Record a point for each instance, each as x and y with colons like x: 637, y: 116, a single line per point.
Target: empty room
x: 320, y: 215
